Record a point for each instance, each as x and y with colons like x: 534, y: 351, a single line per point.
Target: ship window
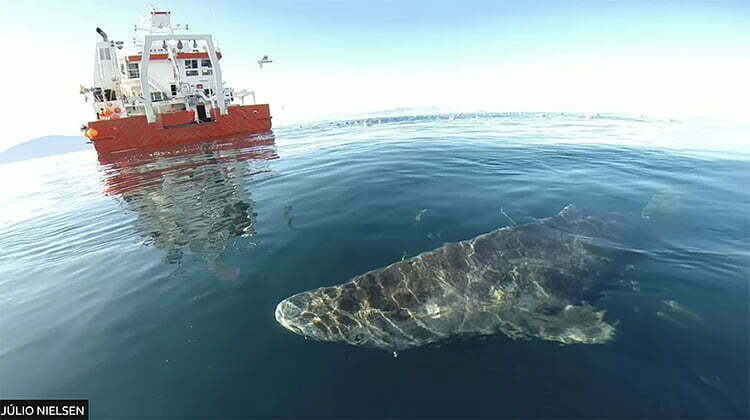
x: 134, y: 71
x: 157, y: 96
x: 191, y: 72
x: 173, y: 88
x: 206, y: 63
x: 208, y: 71
x: 191, y: 64
x: 105, y: 54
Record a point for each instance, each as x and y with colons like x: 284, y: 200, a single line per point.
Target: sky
x: 662, y: 58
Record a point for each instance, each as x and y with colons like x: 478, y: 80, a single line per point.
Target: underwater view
x: 450, y: 265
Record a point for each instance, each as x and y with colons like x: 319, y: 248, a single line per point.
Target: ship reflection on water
x: 192, y: 199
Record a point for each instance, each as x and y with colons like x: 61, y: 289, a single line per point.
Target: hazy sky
x: 668, y: 58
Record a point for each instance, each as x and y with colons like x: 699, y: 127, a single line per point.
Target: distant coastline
x: 43, y: 147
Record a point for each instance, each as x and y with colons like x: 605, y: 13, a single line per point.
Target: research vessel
x: 165, y: 88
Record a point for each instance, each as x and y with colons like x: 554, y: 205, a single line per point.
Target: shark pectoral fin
x: 572, y: 324
x: 583, y: 324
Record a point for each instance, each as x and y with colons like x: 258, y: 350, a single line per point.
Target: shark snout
x: 287, y: 315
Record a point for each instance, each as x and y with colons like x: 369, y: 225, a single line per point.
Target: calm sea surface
x: 147, y: 284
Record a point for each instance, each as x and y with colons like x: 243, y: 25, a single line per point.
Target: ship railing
x: 243, y: 93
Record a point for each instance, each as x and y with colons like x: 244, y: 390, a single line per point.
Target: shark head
x: 324, y: 315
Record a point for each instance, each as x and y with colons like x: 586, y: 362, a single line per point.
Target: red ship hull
x: 134, y: 133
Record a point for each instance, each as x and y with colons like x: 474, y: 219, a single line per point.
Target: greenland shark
x: 526, y: 281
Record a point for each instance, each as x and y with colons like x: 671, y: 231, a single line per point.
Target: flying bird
x: 264, y: 60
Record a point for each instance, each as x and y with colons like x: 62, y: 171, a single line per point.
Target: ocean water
x: 147, y: 284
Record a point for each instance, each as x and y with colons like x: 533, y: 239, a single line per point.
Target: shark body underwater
x: 527, y: 281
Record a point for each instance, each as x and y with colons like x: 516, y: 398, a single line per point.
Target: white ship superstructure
x: 182, y: 73
x: 166, y: 75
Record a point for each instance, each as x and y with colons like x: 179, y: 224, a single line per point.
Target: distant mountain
x: 44, y: 146
x: 401, y: 111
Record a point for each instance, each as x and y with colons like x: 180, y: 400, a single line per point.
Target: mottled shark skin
x: 526, y: 281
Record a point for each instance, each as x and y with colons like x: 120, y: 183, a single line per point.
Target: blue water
x: 147, y: 284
